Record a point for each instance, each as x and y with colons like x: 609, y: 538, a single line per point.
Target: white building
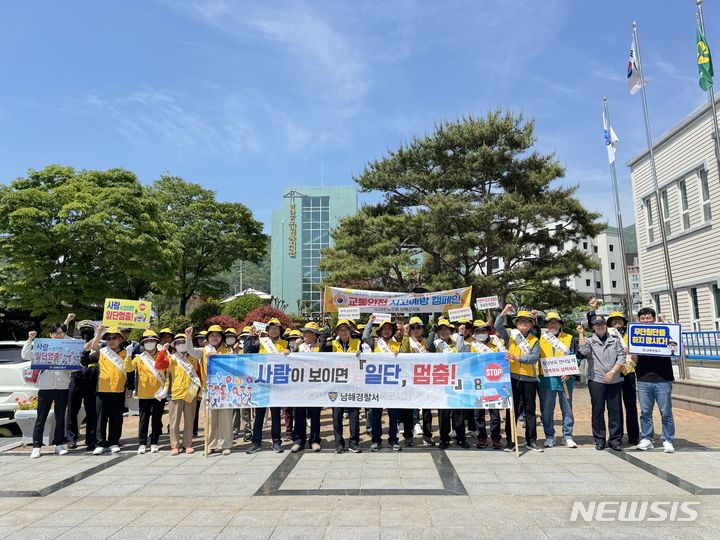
x: 687, y: 172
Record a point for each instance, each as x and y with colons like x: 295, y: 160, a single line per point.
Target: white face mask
x: 181, y: 347
x: 150, y: 346
x: 230, y: 341
x: 481, y: 337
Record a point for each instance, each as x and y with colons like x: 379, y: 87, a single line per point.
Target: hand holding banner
x: 460, y: 313
x: 557, y: 366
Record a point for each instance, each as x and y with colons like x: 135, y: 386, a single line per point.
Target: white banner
x: 460, y: 313
x: 557, y: 366
x: 381, y: 318
x: 349, y: 313
x: 396, y: 302
x: 487, y: 302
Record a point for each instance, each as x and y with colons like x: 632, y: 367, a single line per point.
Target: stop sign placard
x: 494, y: 372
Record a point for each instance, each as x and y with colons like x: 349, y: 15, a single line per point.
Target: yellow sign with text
x: 126, y: 313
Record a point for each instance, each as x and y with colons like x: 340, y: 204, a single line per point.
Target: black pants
x: 300, y: 427
x: 408, y: 421
x: 376, y: 419
x: 110, y: 407
x: 469, y: 419
x: 458, y: 420
x: 629, y: 398
x: 275, y: 420
x: 524, y: 394
x: 197, y: 419
x: 82, y: 393
x: 45, y: 401
x: 427, y: 422
x: 602, y: 396
x: 151, y: 412
x: 494, y: 424
x: 353, y: 422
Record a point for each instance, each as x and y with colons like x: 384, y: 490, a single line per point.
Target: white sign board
x: 557, y: 366
x: 349, y: 313
x: 260, y: 326
x: 381, y: 318
x: 460, y: 313
x: 655, y: 339
x: 487, y: 302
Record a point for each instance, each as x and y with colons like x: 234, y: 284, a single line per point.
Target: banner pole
x: 206, y: 429
x: 513, y: 427
x: 565, y: 388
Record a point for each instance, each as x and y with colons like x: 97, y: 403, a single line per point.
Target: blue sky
x: 249, y: 97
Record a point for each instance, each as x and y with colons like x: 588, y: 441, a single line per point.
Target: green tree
x: 71, y: 238
x: 471, y: 204
x: 241, y: 306
x: 247, y: 274
x: 203, y: 312
x: 212, y: 234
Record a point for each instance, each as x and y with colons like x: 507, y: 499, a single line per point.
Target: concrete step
x: 707, y: 390
x: 699, y: 405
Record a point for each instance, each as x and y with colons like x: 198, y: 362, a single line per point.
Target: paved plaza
x: 416, y: 493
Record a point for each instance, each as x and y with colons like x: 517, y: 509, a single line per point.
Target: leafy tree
x: 71, y: 238
x: 471, y: 204
x: 204, y: 311
x: 212, y: 234
x: 247, y: 274
x: 241, y: 306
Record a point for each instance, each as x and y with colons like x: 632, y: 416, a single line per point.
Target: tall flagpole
x: 653, y: 172
x: 711, y: 96
x: 618, y: 217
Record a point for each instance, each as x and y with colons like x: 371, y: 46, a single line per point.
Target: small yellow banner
x: 126, y: 313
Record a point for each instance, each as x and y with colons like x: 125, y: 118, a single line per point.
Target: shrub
x: 265, y: 313
x: 241, y: 306
x: 226, y: 321
x: 177, y: 323
x: 203, y: 312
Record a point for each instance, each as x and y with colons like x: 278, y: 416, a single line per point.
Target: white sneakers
x: 645, y: 444
x: 35, y: 453
x: 142, y: 449
x: 154, y: 448
x: 549, y: 443
x: 417, y: 429
x: 60, y: 450
x: 668, y: 447
x: 570, y: 443
x: 99, y: 450
x: 114, y: 449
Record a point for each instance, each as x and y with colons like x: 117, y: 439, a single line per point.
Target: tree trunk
x: 183, y: 304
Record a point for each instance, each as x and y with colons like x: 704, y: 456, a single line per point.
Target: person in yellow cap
x: 385, y: 342
x: 312, y: 338
x: 523, y: 354
x: 617, y: 326
x: 111, y: 388
x: 444, y: 343
x: 415, y: 341
x: 220, y: 420
x: 344, y: 342
x: 269, y: 342
x: 182, y: 385
x: 484, y: 343
x: 555, y: 342
x: 231, y: 340
x: 166, y: 336
x: 150, y: 390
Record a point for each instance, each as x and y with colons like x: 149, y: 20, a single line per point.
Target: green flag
x: 704, y: 61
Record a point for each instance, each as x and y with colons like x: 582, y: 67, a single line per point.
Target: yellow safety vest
x: 526, y: 370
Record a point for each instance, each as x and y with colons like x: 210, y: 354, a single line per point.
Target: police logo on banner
x: 333, y: 396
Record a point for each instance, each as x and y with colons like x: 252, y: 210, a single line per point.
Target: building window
x: 705, y: 189
x: 315, y: 238
x: 649, y: 219
x: 614, y: 284
x: 656, y: 300
x: 716, y: 298
x: 665, y: 203
x: 612, y: 265
x: 584, y: 245
x: 597, y: 285
x: 595, y: 249
x: 682, y: 186
x: 612, y: 248
x: 495, y: 263
x: 587, y: 282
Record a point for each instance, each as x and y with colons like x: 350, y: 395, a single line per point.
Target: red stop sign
x: 493, y: 372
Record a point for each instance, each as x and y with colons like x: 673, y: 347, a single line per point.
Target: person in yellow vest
x: 150, y: 390
x: 617, y: 325
x: 343, y: 342
x: 416, y: 342
x: 166, y: 336
x: 523, y: 354
x: 291, y: 336
x: 111, y: 388
x: 466, y: 343
x: 244, y: 422
x: 485, y: 343
x: 182, y: 385
x: 231, y: 340
x: 219, y: 420
x: 555, y: 342
x: 312, y: 337
x: 384, y: 343
x: 267, y: 343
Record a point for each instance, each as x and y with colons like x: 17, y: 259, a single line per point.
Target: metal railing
x: 702, y: 348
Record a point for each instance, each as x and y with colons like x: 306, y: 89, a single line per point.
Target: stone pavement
x: 416, y: 493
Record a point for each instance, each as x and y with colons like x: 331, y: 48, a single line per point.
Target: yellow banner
x: 126, y: 313
x: 396, y: 302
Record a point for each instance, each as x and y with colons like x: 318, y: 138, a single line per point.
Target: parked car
x: 16, y: 378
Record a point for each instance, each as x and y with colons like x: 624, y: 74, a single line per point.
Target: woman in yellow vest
x: 220, y: 420
x: 343, y: 342
x: 312, y: 337
x: 523, y: 354
x: 111, y: 388
x: 182, y: 385
x: 150, y: 390
x: 268, y: 342
x: 484, y: 343
x: 415, y: 342
x: 555, y: 342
